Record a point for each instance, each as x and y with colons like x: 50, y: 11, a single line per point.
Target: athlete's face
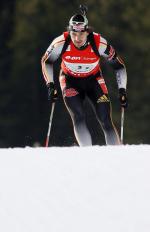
x: 78, y: 38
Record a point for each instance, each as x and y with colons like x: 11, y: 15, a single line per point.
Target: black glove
x: 52, y: 92
x: 123, y: 98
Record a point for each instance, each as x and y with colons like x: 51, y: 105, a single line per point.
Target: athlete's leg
x: 104, y: 115
x: 74, y: 104
x: 75, y: 109
x: 102, y: 108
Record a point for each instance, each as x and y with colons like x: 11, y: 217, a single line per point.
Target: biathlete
x: 80, y: 76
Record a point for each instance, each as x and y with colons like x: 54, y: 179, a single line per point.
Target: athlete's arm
x: 51, y: 55
x: 115, y: 61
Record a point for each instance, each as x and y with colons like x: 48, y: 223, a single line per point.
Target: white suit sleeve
x: 51, y: 55
x: 109, y: 53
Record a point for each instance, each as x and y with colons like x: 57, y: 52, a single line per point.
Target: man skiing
x: 81, y: 50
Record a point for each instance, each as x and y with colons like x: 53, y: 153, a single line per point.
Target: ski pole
x: 50, y: 124
x: 122, y: 124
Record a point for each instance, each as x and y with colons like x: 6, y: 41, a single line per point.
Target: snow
x: 89, y: 189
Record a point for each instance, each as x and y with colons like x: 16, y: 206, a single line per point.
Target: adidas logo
x: 103, y: 98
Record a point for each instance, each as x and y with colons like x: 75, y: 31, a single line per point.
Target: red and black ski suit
x: 81, y: 77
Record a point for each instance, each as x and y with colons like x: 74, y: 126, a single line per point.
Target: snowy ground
x: 94, y: 189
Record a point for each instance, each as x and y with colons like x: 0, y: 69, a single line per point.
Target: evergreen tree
x: 6, y: 30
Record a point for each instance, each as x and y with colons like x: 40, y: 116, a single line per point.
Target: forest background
x: 26, y: 30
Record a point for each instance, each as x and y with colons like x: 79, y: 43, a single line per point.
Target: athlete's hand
x: 52, y: 92
x: 123, y: 98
